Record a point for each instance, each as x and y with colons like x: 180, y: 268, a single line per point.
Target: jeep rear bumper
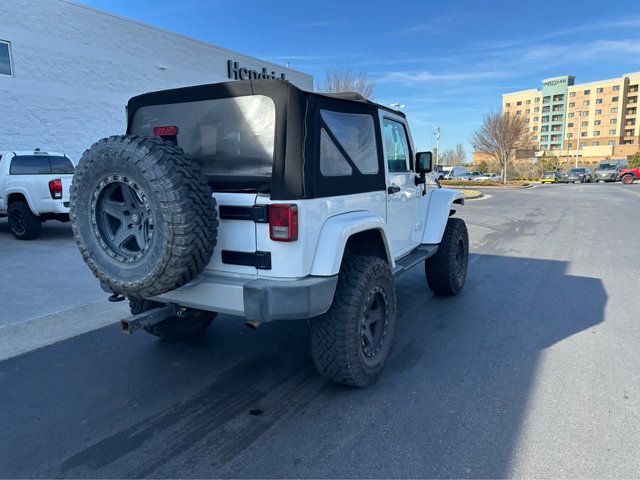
x: 256, y: 298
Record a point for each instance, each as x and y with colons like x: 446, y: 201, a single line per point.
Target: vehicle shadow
x: 241, y: 403
x: 51, y: 230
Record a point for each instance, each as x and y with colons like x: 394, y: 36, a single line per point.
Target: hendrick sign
x: 236, y: 72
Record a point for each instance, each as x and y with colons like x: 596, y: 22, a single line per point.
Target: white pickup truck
x: 34, y: 187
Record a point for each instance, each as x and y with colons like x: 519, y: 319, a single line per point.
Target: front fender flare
x: 440, y: 205
x: 334, y: 236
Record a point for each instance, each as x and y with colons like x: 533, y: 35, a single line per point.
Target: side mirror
x: 423, y: 162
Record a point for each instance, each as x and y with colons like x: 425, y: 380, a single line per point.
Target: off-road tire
x: 627, y: 179
x: 28, y: 226
x: 446, y: 271
x: 174, y: 328
x: 337, y: 339
x: 170, y: 192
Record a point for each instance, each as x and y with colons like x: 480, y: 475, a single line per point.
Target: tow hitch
x: 150, y: 317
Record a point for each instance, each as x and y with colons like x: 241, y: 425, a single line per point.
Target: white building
x: 67, y: 71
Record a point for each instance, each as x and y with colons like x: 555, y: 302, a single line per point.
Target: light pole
x: 437, y: 133
x: 579, y: 133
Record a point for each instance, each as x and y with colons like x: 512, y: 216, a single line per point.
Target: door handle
x: 393, y: 189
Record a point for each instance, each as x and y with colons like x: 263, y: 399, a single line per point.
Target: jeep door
x: 403, y: 196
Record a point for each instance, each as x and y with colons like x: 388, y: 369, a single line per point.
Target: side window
x: 355, y: 133
x: 398, y: 153
x: 30, y: 165
x: 332, y: 162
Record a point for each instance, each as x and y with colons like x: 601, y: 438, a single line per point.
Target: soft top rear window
x: 233, y: 138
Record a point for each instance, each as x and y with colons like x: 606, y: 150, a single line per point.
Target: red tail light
x: 283, y: 222
x: 167, y: 131
x: 55, y: 188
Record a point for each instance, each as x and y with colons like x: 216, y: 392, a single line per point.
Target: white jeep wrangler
x: 262, y: 200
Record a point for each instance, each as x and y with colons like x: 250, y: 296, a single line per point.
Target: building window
x: 545, y: 119
x: 572, y: 94
x: 614, y: 99
x: 583, y: 134
x: 544, y: 138
x: 584, y: 124
x: 556, y: 118
x: 535, y: 129
x: 596, y: 133
x: 528, y: 102
x: 597, y: 122
x: 585, y: 113
x: 569, y: 135
x: 546, y: 99
x: 570, y: 124
x: 598, y: 100
x: 537, y: 109
x: 612, y: 132
x: 599, y: 90
x: 614, y: 110
x: 528, y: 110
x: 572, y: 104
x: 537, y: 100
x: 616, y: 88
x: 598, y: 112
x: 613, y: 121
x: 583, y: 144
x: 519, y: 103
x: 585, y: 103
x: 587, y: 92
x: 595, y: 144
x: 570, y: 114
x: 5, y: 58
x: 558, y: 98
x: 545, y: 109
x: 545, y: 128
x: 535, y: 119
x: 611, y: 142
x: 518, y: 112
x: 507, y: 104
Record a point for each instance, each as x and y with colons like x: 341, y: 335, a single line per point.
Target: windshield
x: 233, y: 138
x: 607, y: 166
x: 576, y: 170
x: 549, y: 174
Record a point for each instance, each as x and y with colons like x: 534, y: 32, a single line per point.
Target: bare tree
x: 345, y: 79
x: 501, y: 136
x: 461, y: 155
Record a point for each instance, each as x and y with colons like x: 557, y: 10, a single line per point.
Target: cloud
x: 426, y: 76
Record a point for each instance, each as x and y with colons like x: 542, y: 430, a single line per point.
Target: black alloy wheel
x: 122, y: 217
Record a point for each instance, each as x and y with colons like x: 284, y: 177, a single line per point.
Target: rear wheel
x: 628, y: 179
x: 175, y: 327
x: 351, y: 342
x: 446, y: 271
x: 23, y: 223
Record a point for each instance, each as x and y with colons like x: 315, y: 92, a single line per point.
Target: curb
x: 23, y: 337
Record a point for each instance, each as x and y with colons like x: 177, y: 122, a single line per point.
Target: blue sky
x: 447, y: 61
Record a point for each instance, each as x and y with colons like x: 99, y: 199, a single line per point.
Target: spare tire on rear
x: 142, y: 214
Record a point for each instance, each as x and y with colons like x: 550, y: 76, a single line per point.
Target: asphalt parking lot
x: 533, y: 371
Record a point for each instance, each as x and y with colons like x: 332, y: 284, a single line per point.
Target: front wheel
x: 446, y: 271
x: 174, y: 328
x: 351, y: 342
x: 628, y: 179
x: 24, y: 224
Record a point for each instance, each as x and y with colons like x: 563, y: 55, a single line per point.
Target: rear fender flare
x: 334, y: 235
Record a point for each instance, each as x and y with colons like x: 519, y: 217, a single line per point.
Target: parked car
x: 453, y: 172
x: 493, y: 177
x: 609, y: 170
x: 579, y: 174
x: 629, y: 175
x: 554, y: 177
x: 467, y: 176
x: 194, y: 212
x: 34, y: 188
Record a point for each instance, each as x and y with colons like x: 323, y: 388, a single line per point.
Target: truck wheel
x: 174, y: 328
x: 23, y: 223
x: 350, y: 343
x: 628, y: 179
x: 142, y: 214
x: 447, y: 270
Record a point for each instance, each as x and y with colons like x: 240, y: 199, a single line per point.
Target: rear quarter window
x: 61, y: 165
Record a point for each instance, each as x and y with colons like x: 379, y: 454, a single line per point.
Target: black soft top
x: 296, y: 173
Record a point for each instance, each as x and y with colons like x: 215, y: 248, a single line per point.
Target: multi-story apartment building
x: 591, y: 121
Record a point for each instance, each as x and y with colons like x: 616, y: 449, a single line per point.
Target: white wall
x: 75, y: 68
